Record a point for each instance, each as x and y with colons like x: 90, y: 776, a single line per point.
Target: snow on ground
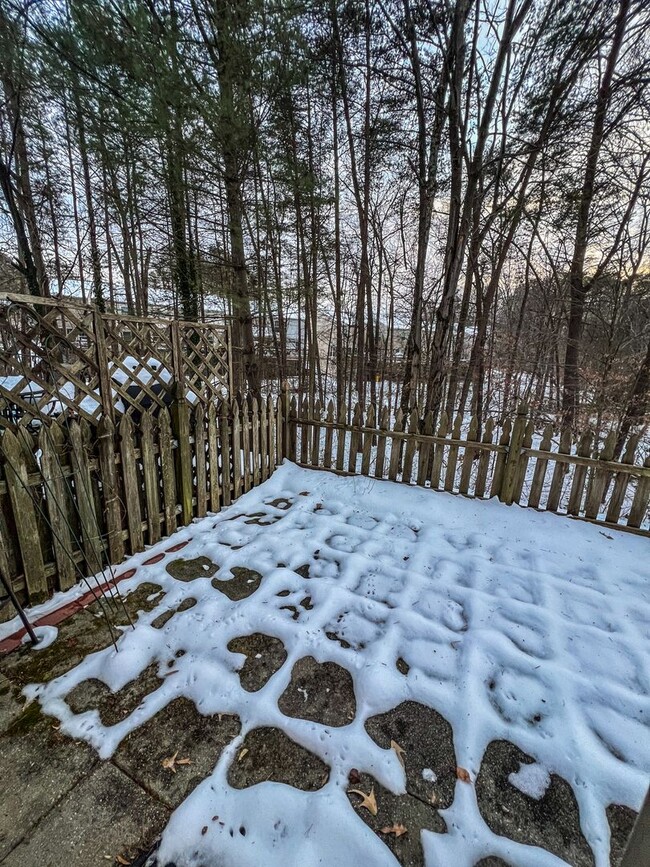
x: 516, y: 625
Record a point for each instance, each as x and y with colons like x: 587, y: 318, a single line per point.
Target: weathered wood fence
x: 57, y: 355
x: 77, y: 497
x: 511, y: 465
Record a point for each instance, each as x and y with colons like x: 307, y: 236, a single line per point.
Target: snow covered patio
x: 341, y: 671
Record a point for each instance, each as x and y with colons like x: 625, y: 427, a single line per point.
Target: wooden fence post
x: 514, y: 455
x: 25, y: 518
x: 181, y: 430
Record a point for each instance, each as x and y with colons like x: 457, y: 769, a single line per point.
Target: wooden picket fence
x: 78, y: 497
x: 571, y: 480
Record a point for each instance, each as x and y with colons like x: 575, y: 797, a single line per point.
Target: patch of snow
x: 516, y: 626
x: 531, y: 779
x: 428, y: 775
x: 46, y: 635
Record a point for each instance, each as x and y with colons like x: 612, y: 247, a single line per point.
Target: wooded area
x: 441, y: 203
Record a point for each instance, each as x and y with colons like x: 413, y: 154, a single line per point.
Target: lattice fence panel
x: 205, y: 360
x: 57, y: 356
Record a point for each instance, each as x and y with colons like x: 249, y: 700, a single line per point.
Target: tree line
x: 446, y: 203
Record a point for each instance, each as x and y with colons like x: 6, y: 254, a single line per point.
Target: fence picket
x: 641, y: 499
x: 226, y: 452
x: 555, y: 493
x: 24, y: 517
x: 409, y: 451
x: 254, y: 435
x: 484, y: 460
x: 150, y: 474
x: 424, y: 450
x: 244, y: 421
x: 439, y: 451
x: 131, y: 485
x: 396, y: 447
x: 355, y: 438
x: 539, y: 472
x: 236, y: 450
x: 315, y: 434
x: 621, y: 481
x: 381, y: 443
x: 514, y: 456
x: 90, y: 523
x: 304, y: 431
x: 579, y: 476
x: 181, y: 428
x: 292, y: 428
x: 340, y: 436
x: 452, y: 460
x: 327, y: 455
x: 500, y: 463
x: 522, y: 469
x: 200, y: 468
x: 51, y: 442
x: 468, y: 457
x: 367, y: 440
x: 262, y: 441
x: 271, y: 457
x: 167, y: 471
x: 213, y: 458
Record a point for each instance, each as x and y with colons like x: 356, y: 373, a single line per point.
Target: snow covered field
x: 513, y: 625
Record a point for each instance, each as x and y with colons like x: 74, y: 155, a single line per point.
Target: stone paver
x: 106, y: 814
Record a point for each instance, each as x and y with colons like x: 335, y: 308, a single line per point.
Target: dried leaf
x: 170, y: 763
x: 242, y: 754
x: 121, y: 860
x: 399, y: 751
x: 463, y: 775
x: 354, y: 776
x: 395, y: 829
x: 369, y: 801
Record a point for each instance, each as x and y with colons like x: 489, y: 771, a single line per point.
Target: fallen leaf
x: 170, y: 763
x: 400, y: 752
x: 369, y: 801
x: 354, y: 776
x: 121, y: 860
x: 242, y: 754
x: 463, y: 775
x: 395, y: 829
